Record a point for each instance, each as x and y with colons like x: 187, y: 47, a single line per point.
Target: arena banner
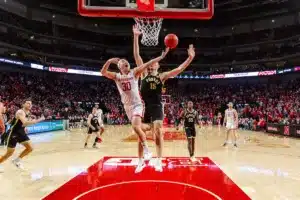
x: 36, y: 66
x: 295, y: 130
x: 14, y: 62
x: 284, y: 71
x: 273, y: 128
x: 285, y: 130
x: 46, y: 126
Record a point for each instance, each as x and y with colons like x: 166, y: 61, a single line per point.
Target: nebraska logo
x: 58, y: 69
x: 217, y: 76
x: 267, y: 73
x: 174, y: 162
x: 286, y: 130
x: 270, y: 128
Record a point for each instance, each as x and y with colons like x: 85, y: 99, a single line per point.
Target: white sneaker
x: 152, y: 162
x: 140, y: 167
x: 193, y: 159
x: 18, y: 164
x: 147, y: 155
x: 158, y: 165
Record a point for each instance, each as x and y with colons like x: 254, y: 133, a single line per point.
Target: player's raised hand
x: 136, y: 31
x: 164, y: 53
x: 114, y: 60
x: 191, y: 51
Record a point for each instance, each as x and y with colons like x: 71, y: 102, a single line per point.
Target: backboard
x: 167, y: 9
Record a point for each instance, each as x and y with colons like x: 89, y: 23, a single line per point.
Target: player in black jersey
x: 93, y: 127
x: 18, y: 134
x: 190, y: 118
x: 151, y: 91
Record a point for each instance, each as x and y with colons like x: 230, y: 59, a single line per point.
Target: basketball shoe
x: 141, y: 166
x: 158, y: 165
x: 17, y: 162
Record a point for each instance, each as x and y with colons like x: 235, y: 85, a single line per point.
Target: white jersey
x: 99, y: 114
x: 128, y: 87
x: 230, y: 115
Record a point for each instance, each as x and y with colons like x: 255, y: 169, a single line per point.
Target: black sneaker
x: 225, y: 144
x: 95, y: 146
x: 235, y: 146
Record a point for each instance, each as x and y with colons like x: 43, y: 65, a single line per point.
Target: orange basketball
x: 171, y: 41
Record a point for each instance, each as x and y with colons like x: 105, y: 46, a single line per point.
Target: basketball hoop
x: 150, y: 28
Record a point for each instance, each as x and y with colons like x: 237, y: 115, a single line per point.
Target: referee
x: 65, y: 115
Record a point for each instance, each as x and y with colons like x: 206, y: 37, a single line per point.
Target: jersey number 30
x: 126, y: 86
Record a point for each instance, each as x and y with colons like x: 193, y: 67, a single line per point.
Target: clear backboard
x: 166, y: 9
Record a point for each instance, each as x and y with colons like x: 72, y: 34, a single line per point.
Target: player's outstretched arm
x: 181, y: 115
x: 22, y: 116
x: 136, y: 47
x: 140, y: 69
x: 166, y: 75
x: 104, y: 71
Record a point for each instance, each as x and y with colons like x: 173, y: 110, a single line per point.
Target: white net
x: 150, y: 28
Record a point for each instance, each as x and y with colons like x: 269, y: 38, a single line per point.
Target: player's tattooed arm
x: 140, y: 69
x: 191, y: 54
x: 22, y: 117
x: 108, y: 74
x: 181, y: 115
x: 136, y: 47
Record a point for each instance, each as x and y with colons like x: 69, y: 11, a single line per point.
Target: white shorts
x: 230, y: 125
x: 134, y: 110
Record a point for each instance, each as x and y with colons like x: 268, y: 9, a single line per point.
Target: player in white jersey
x: 231, y: 122
x: 127, y: 83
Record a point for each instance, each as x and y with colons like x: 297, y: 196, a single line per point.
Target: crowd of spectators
x: 256, y: 104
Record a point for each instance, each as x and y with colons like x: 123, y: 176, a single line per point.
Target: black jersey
x: 95, y: 121
x: 17, y: 125
x: 190, y: 118
x: 151, y: 89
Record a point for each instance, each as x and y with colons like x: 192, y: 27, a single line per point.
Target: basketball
x: 171, y: 41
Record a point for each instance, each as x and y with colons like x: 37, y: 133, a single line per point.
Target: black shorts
x: 153, y: 112
x: 190, y: 132
x: 91, y: 131
x: 16, y: 137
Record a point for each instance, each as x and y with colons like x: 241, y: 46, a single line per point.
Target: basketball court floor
x: 264, y: 167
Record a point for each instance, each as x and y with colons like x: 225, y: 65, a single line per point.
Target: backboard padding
x: 164, y: 9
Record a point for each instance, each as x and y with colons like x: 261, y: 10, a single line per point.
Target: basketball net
x: 149, y: 26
